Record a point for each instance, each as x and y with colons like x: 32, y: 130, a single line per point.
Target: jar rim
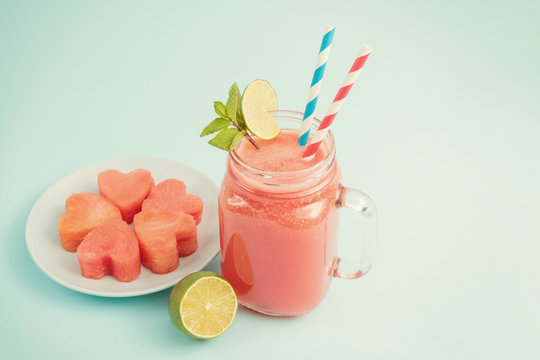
x: 325, y: 163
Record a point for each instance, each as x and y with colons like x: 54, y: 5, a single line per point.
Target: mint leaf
x: 223, y: 140
x: 240, y: 117
x: 220, y: 109
x: 239, y: 113
x: 216, y: 125
x: 236, y: 140
x: 233, y: 102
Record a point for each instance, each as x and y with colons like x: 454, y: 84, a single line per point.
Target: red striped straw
x: 338, y: 101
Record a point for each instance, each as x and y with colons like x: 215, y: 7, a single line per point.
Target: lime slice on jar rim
x: 258, y: 99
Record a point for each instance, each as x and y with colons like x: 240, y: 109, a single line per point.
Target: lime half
x: 259, y: 98
x: 203, y: 305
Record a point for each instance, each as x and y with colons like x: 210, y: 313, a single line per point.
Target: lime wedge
x: 202, y: 305
x: 259, y: 98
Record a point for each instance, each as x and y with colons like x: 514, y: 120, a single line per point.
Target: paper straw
x: 324, y: 51
x: 338, y: 101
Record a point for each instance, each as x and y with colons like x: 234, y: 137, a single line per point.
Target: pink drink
x: 278, y: 224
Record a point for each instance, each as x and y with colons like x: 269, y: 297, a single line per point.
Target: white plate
x: 43, y: 242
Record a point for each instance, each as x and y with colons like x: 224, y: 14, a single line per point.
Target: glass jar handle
x: 367, y: 230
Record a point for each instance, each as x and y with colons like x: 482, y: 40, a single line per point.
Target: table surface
x: 442, y: 130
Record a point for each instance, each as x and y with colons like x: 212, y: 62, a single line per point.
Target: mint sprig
x: 230, y: 125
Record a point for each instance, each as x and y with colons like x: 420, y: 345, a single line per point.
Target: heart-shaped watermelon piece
x: 110, y: 249
x: 84, y: 212
x: 127, y: 191
x: 163, y: 237
x: 171, y: 195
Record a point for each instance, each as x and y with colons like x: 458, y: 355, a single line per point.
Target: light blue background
x: 442, y: 130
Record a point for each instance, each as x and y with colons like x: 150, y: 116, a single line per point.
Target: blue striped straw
x: 326, y: 45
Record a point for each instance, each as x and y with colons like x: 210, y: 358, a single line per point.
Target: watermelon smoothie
x: 278, y: 223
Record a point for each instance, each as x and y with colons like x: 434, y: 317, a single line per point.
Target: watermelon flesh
x: 84, y: 212
x: 163, y: 237
x: 187, y: 246
x: 171, y: 195
x: 126, y: 191
x: 110, y: 249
